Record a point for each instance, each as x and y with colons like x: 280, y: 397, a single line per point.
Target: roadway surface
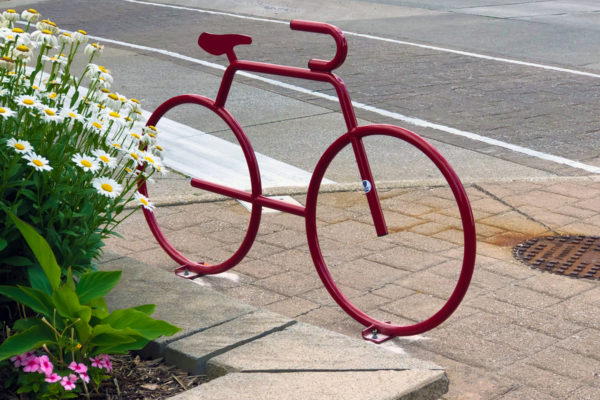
x: 504, y: 90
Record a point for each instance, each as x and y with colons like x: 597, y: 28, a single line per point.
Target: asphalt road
x: 487, y: 81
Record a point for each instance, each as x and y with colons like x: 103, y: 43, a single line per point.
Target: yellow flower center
x: 105, y: 159
x: 152, y: 135
x: 117, y: 145
x: 151, y: 127
x: 113, y: 96
x: 82, y: 32
x: 28, y: 102
x: 23, y: 48
x: 135, y: 135
x: 159, y: 148
x: 114, y: 114
x: 32, y: 10
x: 18, y: 30
x: 11, y: 11
x: 135, y: 101
x: 67, y: 34
x: 78, y: 346
x: 134, y: 156
x: 144, y: 201
x: 102, y: 69
x: 149, y: 159
x: 49, y: 22
x: 104, y: 90
x: 86, y: 163
x: 6, y: 58
x: 37, y: 162
x: 2, y: 110
x: 52, y: 95
x: 46, y: 32
x: 97, y: 125
x: 106, y: 187
x: 49, y: 112
x: 72, y: 115
x: 19, y: 146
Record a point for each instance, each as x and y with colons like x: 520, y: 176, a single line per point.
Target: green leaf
x: 147, y: 326
x: 96, y: 284
x: 41, y: 249
x: 3, y: 244
x: 35, y: 299
x: 147, y: 309
x: 26, y: 323
x: 67, y: 304
x: 27, y: 340
x: 17, y: 261
x: 38, y: 279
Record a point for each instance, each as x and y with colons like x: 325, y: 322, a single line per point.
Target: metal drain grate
x: 573, y: 256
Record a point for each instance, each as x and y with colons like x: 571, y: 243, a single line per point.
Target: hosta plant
x: 60, y: 347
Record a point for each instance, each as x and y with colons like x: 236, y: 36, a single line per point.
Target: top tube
x: 318, y: 70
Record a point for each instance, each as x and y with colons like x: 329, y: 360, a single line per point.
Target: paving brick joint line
x: 529, y: 332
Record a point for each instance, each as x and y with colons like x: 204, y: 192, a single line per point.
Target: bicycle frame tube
x: 347, y: 111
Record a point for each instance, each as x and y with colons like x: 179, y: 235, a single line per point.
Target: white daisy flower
x: 95, y: 125
x: 10, y: 15
x: 46, y: 37
x: 107, y: 187
x: 20, y: 146
x: 80, y: 37
x: 151, y: 159
x: 65, y: 38
x: 104, y: 158
x: 93, y: 49
x: 30, y: 15
x: 144, y: 201
x: 7, y: 63
x: 28, y: 101
x: 72, y: 114
x: 47, y: 25
x: 55, y: 60
x: 6, y: 112
x: 50, y: 114
x: 22, y: 52
x: 88, y: 163
x: 135, y: 156
x: 38, y: 162
x: 116, y: 118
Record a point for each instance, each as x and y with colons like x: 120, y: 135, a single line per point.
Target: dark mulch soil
x: 135, y: 379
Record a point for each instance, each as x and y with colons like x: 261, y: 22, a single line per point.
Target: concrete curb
x: 256, y: 354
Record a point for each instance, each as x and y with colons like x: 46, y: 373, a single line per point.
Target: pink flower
x: 32, y: 365
x: 106, y: 363
x: 21, y: 359
x: 46, y: 366
x: 53, y: 377
x: 96, y: 362
x: 84, y: 377
x: 79, y: 368
x: 68, y: 382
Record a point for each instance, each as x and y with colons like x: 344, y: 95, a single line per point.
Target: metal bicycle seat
x: 221, y: 44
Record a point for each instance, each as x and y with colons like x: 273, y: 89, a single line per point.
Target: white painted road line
x: 391, y: 114
x: 384, y: 39
x: 199, y: 154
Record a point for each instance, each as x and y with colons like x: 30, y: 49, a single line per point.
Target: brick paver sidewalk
x: 519, y: 333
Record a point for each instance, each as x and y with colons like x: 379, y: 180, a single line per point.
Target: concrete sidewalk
x: 519, y: 333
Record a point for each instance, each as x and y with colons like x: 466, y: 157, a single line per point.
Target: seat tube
x: 369, y: 186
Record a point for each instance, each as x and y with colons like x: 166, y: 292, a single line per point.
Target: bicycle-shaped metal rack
x: 318, y: 70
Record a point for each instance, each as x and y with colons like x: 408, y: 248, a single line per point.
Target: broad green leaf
x: 147, y: 326
x: 17, y: 261
x: 138, y: 344
x: 26, y: 323
x: 3, y: 244
x: 41, y: 249
x: 30, y: 339
x: 96, y: 284
x: 147, y: 309
x: 38, y: 279
x: 35, y: 299
x: 67, y: 304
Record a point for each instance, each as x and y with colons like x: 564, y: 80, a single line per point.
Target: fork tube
x: 370, y: 190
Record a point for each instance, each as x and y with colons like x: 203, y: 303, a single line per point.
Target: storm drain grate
x: 573, y: 256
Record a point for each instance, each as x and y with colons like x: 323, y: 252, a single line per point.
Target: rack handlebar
x: 335, y: 32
